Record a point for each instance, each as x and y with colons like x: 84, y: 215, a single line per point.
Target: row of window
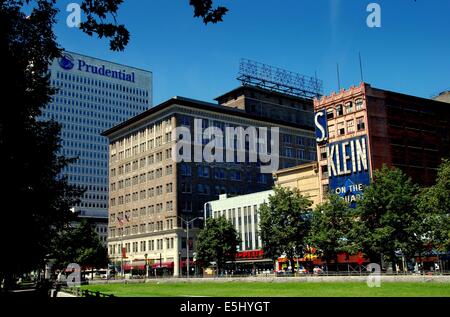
x: 140, y: 179
x: 298, y: 140
x: 140, y: 229
x: 346, y: 127
x: 137, y: 138
x: 347, y: 108
x: 144, y: 161
x: 143, y: 246
x: 101, y: 84
x: 298, y: 153
x: 143, y: 195
x: 75, y: 108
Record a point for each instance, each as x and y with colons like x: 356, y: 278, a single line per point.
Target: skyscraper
x: 93, y: 95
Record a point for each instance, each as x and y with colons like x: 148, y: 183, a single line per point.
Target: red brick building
x: 366, y: 125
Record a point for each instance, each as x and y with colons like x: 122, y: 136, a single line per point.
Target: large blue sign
x: 349, y: 168
x: 320, y: 121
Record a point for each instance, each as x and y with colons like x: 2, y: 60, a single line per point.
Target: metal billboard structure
x: 257, y: 74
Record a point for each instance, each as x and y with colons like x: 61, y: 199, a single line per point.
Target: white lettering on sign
x: 320, y: 127
x: 338, y: 164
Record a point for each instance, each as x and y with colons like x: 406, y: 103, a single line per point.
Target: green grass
x: 262, y: 289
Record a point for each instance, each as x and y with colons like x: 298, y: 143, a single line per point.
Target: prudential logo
x: 67, y: 62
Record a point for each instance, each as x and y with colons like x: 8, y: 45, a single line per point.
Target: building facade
x: 242, y: 212
x: 360, y: 129
x: 304, y: 177
x: 150, y: 191
x: 93, y: 95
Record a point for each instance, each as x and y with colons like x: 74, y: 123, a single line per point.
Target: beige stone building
x: 149, y: 192
x: 304, y: 177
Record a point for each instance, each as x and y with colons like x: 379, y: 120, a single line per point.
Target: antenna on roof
x: 338, y: 77
x: 361, y: 67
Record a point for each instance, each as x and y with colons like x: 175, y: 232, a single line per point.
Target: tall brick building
x: 362, y: 128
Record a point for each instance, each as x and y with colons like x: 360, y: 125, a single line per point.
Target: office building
x: 150, y: 190
x: 93, y: 95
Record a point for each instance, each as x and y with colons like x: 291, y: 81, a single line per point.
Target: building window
x: 360, y: 125
x: 287, y: 138
x: 349, y: 107
x: 339, y: 110
x: 186, y: 188
x: 359, y: 104
x: 350, y: 126
x: 331, y: 131
x: 324, y: 171
x: 330, y: 114
x: 203, y: 171
x: 341, y: 128
x: 323, y: 153
x: 235, y: 175
x: 186, y: 170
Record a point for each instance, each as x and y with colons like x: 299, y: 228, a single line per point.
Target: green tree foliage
x: 285, y: 224
x: 388, y: 216
x: 434, y: 205
x: 79, y: 244
x: 217, y: 242
x: 205, y: 10
x: 331, y: 227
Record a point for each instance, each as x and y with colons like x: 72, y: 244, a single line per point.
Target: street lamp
x: 146, y: 266
x: 188, y: 223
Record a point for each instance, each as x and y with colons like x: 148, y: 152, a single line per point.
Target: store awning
x: 168, y: 265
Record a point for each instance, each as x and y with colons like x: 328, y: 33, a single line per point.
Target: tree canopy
x: 285, y: 223
x: 388, y: 216
x: 217, y: 242
x: 79, y: 244
x: 331, y: 227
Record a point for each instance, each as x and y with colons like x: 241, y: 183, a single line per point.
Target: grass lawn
x: 262, y: 289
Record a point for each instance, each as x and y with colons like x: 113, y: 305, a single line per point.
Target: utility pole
x: 188, y: 223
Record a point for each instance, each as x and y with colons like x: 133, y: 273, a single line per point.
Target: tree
x: 388, y: 217
x: 434, y: 205
x: 79, y: 244
x: 284, y: 224
x: 217, y: 242
x: 331, y: 226
x: 204, y: 9
x: 29, y: 148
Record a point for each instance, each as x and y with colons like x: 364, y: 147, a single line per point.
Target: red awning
x: 184, y: 263
x: 128, y: 267
x: 168, y: 265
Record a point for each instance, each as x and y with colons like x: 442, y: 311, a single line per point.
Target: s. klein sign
x: 348, y: 168
x: 348, y: 162
x: 67, y: 62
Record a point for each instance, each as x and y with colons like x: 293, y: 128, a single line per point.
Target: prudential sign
x: 67, y: 62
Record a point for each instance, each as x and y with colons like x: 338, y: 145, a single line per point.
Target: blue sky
x: 410, y: 53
